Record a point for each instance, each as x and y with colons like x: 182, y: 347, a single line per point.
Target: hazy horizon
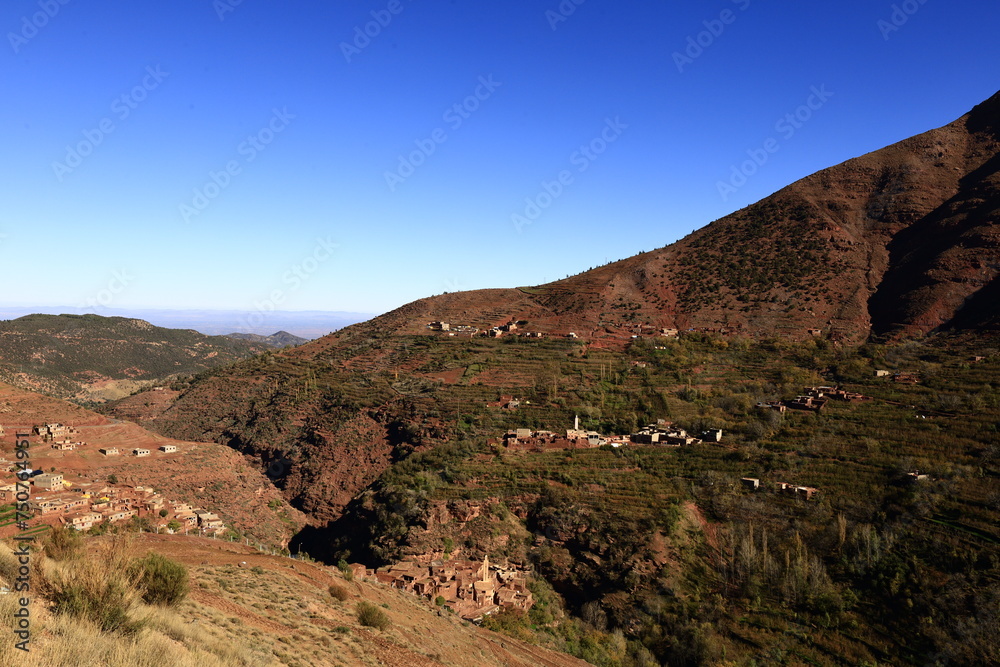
x: 305, y: 324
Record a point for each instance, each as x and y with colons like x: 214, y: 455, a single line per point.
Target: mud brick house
x: 168, y: 449
x: 50, y: 432
x: 712, y: 435
x: 52, y: 481
x: 807, y: 403
x: 82, y: 520
x: 109, y: 451
x: 663, y: 433
x: 42, y: 505
x: 804, y: 492
x: 140, y: 452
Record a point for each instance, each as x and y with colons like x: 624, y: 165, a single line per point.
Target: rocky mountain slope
x: 903, y: 240
x: 91, y: 358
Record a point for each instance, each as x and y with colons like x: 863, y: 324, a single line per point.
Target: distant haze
x: 307, y: 323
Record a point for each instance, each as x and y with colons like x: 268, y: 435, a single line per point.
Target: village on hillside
x: 471, y: 589
x: 56, y: 499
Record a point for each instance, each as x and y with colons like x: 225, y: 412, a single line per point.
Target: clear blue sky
x: 309, y: 130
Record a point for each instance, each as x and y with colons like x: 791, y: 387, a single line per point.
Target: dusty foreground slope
x: 246, y: 608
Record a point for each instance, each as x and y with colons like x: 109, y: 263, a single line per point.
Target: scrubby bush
x: 338, y: 592
x: 163, y: 581
x: 371, y: 616
x: 63, y: 543
x: 101, y: 589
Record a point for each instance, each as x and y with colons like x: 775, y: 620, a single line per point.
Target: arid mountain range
x: 386, y: 437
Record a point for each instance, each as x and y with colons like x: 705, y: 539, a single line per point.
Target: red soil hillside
x: 203, y: 474
x: 904, y: 239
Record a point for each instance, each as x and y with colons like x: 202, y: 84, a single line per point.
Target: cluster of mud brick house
x: 472, y: 589
x: 814, y: 399
x: 804, y: 492
x: 60, y: 436
x: 82, y: 505
x: 663, y: 433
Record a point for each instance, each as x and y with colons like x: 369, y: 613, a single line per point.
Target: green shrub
x: 371, y: 616
x: 63, y: 543
x: 164, y: 581
x: 345, y: 570
x: 101, y: 589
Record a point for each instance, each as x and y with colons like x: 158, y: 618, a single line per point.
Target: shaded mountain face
x: 898, y: 242
x: 94, y: 358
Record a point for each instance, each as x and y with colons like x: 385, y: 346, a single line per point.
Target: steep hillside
x: 90, y: 358
x: 904, y: 240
